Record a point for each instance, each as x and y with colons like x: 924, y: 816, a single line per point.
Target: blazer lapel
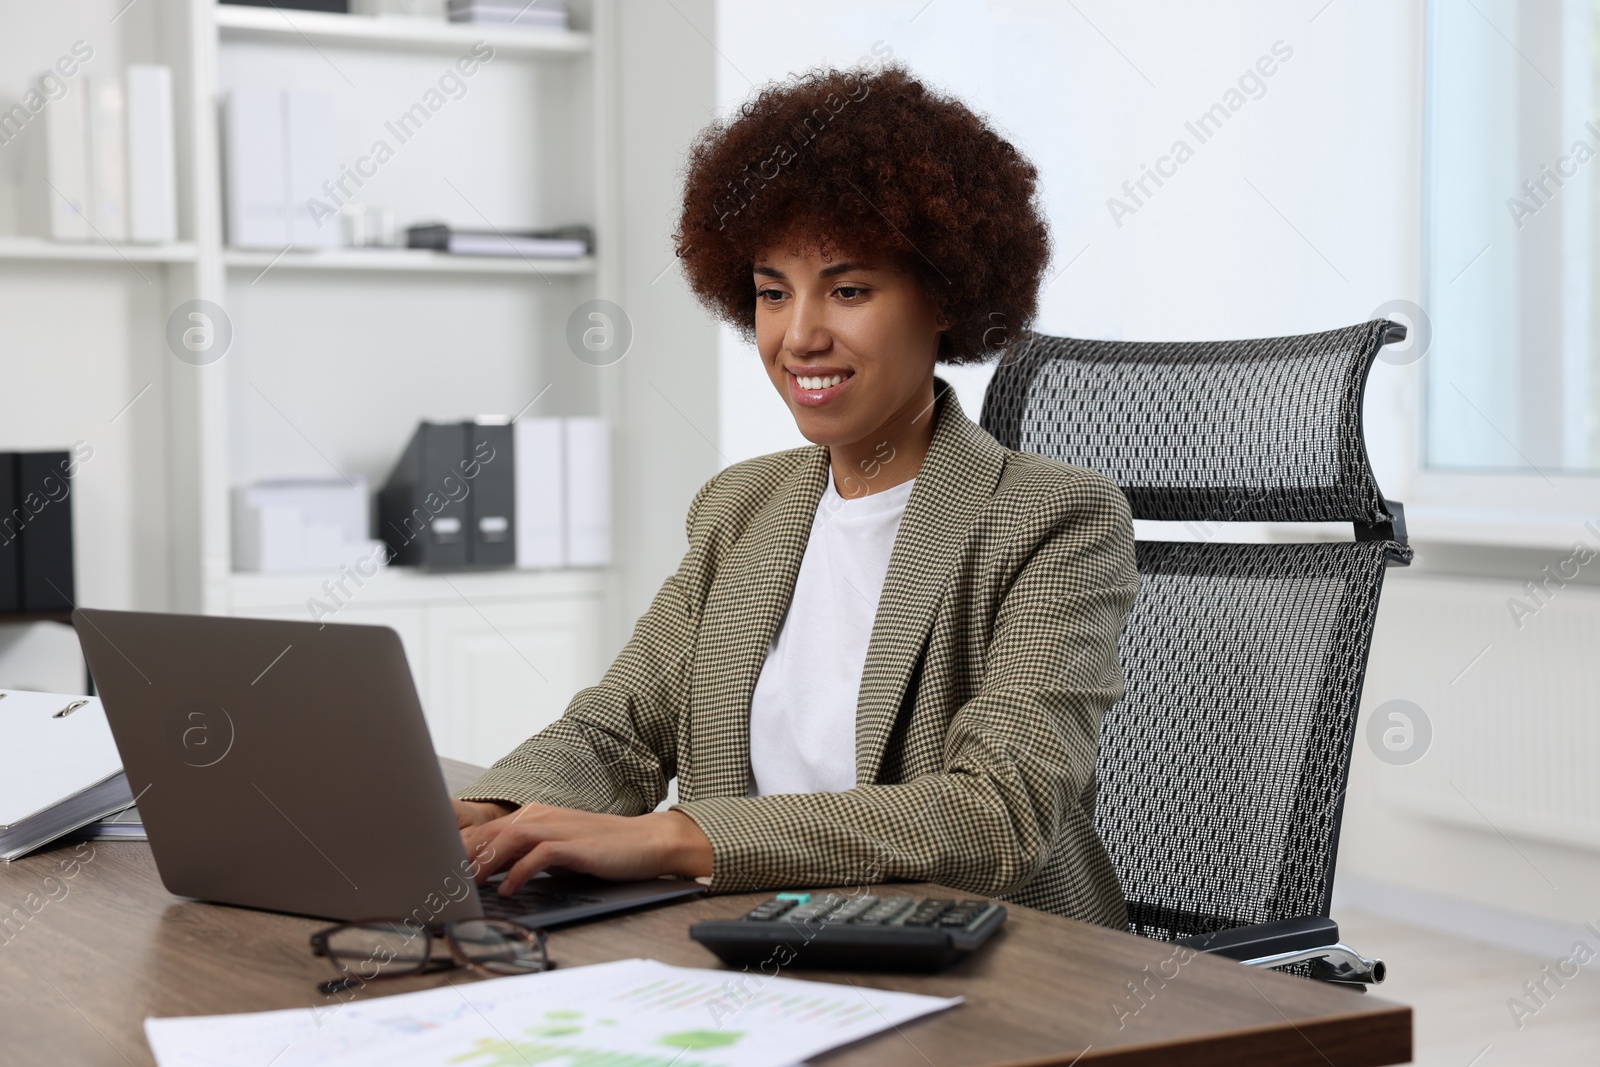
x: 742, y: 613
x: 956, y: 480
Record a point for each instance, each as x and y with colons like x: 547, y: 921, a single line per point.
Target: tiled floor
x: 1458, y: 990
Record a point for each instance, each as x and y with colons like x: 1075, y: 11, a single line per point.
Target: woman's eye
x: 769, y: 295
x: 849, y: 292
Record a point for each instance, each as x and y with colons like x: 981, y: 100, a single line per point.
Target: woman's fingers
x: 537, y: 838
x: 489, y: 848
x: 497, y: 845
x: 482, y: 855
x: 539, y: 858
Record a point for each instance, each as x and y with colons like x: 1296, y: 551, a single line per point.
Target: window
x: 1511, y: 159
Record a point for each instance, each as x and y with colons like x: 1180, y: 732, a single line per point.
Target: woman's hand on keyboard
x: 537, y: 837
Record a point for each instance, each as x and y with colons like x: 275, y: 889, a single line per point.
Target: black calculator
x: 831, y: 931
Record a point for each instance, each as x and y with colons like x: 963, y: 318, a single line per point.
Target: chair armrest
x: 1267, y: 939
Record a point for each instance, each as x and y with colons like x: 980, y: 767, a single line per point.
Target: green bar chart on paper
x: 638, y: 1012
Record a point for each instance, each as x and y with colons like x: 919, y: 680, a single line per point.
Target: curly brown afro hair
x: 866, y: 160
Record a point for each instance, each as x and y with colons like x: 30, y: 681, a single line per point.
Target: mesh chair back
x: 1222, y: 770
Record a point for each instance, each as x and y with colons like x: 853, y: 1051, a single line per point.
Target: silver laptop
x: 287, y: 766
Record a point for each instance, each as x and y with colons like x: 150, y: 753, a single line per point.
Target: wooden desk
x: 108, y: 946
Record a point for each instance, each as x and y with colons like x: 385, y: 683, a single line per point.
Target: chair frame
x: 1312, y: 942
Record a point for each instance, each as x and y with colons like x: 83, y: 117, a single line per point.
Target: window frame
x: 1511, y: 505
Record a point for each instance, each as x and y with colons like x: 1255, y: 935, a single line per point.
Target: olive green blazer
x: 992, y: 658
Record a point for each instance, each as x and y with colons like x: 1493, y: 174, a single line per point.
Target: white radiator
x: 1514, y: 709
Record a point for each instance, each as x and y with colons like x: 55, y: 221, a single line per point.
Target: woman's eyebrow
x: 826, y: 272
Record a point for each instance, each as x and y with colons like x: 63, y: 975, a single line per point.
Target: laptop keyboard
x: 527, y: 900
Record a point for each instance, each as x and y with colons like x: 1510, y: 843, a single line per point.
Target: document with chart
x: 652, y: 1014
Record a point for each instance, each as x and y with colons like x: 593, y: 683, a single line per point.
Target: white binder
x: 257, y: 189
x: 59, y: 768
x: 540, y: 467
x: 108, y: 158
x: 64, y: 189
x: 588, y: 455
x: 311, y: 159
x: 152, y: 165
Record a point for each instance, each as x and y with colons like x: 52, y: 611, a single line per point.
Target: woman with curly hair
x: 886, y: 655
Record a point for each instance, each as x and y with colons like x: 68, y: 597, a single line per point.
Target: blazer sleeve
x: 614, y: 748
x: 1019, y: 756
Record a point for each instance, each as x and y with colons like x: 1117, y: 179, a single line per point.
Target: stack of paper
x: 560, y: 242
x: 638, y: 1012
x: 123, y: 826
x: 59, y: 768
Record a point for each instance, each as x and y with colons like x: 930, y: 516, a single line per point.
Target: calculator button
x: 962, y: 913
x: 769, y: 910
x: 886, y: 911
x: 819, y: 908
x: 927, y: 912
x: 853, y: 910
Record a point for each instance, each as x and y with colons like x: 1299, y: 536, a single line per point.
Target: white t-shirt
x: 803, y: 710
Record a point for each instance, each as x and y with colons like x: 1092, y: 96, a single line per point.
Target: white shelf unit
x: 342, y: 351
x: 398, y: 32
x: 367, y: 259
x: 39, y: 248
x: 336, y: 354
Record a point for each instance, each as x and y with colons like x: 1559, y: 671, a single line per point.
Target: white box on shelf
x: 538, y: 446
x: 309, y: 524
x: 108, y: 159
x: 152, y: 164
x: 588, y: 463
x: 310, y: 160
x: 256, y: 188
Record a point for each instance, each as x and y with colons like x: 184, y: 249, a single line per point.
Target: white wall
x: 1501, y: 807
x: 1300, y: 214
x: 667, y: 446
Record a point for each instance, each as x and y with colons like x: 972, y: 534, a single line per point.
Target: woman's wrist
x: 503, y: 807
x: 488, y: 810
x: 687, y: 850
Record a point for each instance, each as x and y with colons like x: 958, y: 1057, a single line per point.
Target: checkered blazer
x: 992, y: 659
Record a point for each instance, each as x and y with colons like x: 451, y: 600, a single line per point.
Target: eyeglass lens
x: 378, y: 949
x: 497, y: 946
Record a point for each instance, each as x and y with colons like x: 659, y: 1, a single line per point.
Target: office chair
x: 1222, y: 771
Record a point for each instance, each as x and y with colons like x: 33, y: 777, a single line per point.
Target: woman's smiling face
x: 848, y: 341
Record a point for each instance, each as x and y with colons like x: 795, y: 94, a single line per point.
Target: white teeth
x: 817, y: 382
